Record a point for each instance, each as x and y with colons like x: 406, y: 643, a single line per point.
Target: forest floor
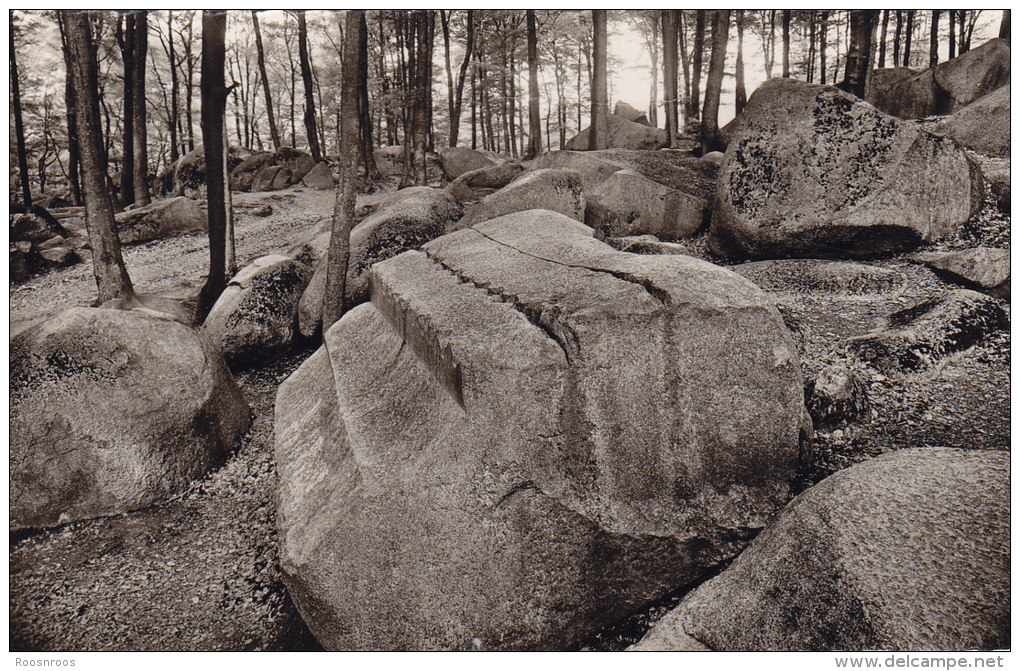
x: 200, y: 572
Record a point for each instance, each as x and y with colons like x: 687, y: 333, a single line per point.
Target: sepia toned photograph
x: 498, y: 330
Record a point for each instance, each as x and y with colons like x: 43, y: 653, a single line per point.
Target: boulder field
x: 527, y: 435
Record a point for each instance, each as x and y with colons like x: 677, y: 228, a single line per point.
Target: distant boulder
x: 623, y: 134
x: 907, y: 551
x: 814, y: 171
x: 982, y: 126
x: 187, y: 175
x: 112, y: 411
x: 630, y: 113
x: 556, y: 190
x: 389, y: 160
x: 985, y: 269
x: 160, y: 219
x: 628, y: 203
x: 456, y: 161
x: 491, y: 177
x: 319, y: 177
x: 253, y: 319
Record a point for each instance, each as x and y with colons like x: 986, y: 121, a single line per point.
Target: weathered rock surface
x: 983, y: 125
x: 187, y: 175
x: 944, y: 89
x: 319, y: 177
x: 623, y: 134
x: 908, y: 551
x: 630, y: 113
x: 669, y: 168
x: 113, y: 411
x: 645, y: 244
x: 814, y: 171
x: 628, y: 203
x: 456, y: 161
x: 998, y: 181
x: 555, y: 190
x: 403, y: 221
x: 527, y: 435
x: 491, y: 177
x: 254, y: 317
x: 837, y: 395
x: 36, y: 226
x: 985, y: 269
x: 389, y: 160
x: 160, y: 219
x: 917, y: 336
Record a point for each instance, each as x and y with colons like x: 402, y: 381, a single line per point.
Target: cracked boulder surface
x: 875, y: 557
x: 548, y: 189
x: 160, y: 219
x: 526, y: 436
x: 815, y: 172
x: 628, y: 203
x: 254, y: 317
x: 623, y: 133
x: 112, y: 411
x: 400, y: 221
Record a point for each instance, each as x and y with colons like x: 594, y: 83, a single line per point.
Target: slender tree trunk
x: 933, y: 39
x: 191, y: 90
x: 909, y: 32
x: 685, y: 64
x: 140, y: 172
x: 862, y: 23
x: 963, y: 47
x: 111, y: 276
x: 73, y: 153
x: 174, y: 89
x: 534, y: 113
x: 228, y: 208
x: 812, y: 30
x: 214, y: 98
x: 338, y: 256
x: 896, y: 38
x: 740, y: 88
x: 699, y: 49
x: 474, y: 108
x: 306, y: 78
x: 823, y: 45
x: 19, y: 128
x: 786, y: 43
x: 882, y: 39
x: 713, y: 86
x: 270, y: 115
x: 364, y: 109
x: 952, y: 34
x: 669, y: 78
x: 458, y: 97
x: 1004, y: 25
x: 126, y: 40
x: 598, y: 134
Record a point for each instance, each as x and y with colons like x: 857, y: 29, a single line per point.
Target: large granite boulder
x: 982, y: 268
x: 908, y: 551
x: 628, y: 203
x: 456, y: 161
x: 36, y: 226
x: 112, y: 411
x: 389, y: 160
x: 551, y: 189
x: 526, y: 436
x: 916, y: 337
x: 630, y: 113
x: 814, y: 171
x: 983, y: 125
x: 491, y: 177
x: 186, y: 176
x: 254, y: 317
x: 669, y: 168
x: 944, y: 89
x: 972, y: 75
x: 160, y: 219
x: 319, y: 177
x: 623, y: 134
x: 402, y: 221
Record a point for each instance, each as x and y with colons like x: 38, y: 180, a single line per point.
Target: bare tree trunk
x: 896, y: 38
x: 908, y: 34
x: 474, y: 107
x: 823, y: 45
x: 338, y: 256
x: 963, y: 47
x: 713, y: 86
x: 214, y: 99
x: 364, y: 109
x: 740, y: 88
x: 882, y: 39
x: 126, y: 40
x: 598, y: 135
x: 270, y: 114
x: 111, y: 276
x: 306, y: 78
x: 669, y: 78
x: 699, y: 48
x: 73, y: 153
x: 786, y: 43
x: 933, y: 39
x: 534, y: 113
x: 1004, y: 25
x: 191, y: 88
x: 952, y: 34
x: 19, y: 128
x: 174, y: 88
x: 862, y: 23
x: 140, y: 172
